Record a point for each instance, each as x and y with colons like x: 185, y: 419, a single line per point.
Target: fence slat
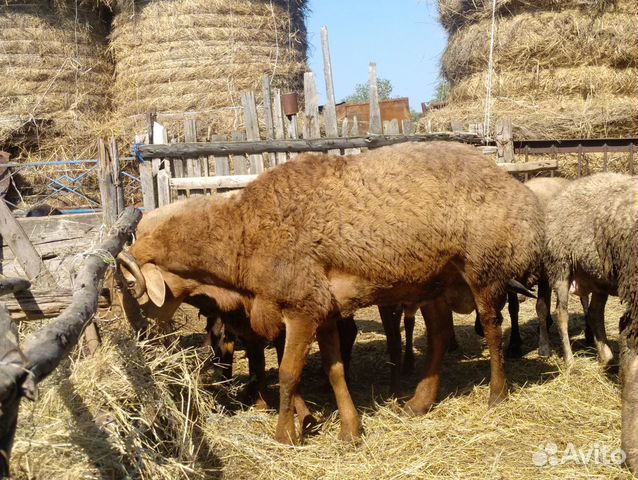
x: 268, y: 116
x: 222, y: 166
x: 163, y: 188
x: 311, y: 120
x: 330, y: 110
x: 239, y: 160
x: 193, y: 165
x: 278, y: 118
x: 252, y: 128
x: 374, y: 127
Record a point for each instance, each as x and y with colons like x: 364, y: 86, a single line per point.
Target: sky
x: 403, y: 37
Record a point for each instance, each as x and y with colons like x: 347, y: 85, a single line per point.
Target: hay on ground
x: 139, y: 410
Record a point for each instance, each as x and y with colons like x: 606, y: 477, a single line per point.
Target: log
x: 20, y: 372
x: 184, y: 150
x: 13, y: 285
x: 11, y: 374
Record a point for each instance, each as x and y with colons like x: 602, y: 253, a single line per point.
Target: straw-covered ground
x: 137, y: 411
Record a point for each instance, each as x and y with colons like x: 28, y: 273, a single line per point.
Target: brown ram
x: 326, y: 235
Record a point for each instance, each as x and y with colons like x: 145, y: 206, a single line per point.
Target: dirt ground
x: 550, y: 415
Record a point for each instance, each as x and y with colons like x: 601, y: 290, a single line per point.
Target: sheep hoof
x: 544, y: 351
x: 412, y: 409
x: 496, y: 398
x: 310, y: 426
x: 350, y: 434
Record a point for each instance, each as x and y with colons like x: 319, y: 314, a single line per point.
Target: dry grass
x: 560, y: 117
x: 139, y: 409
x: 455, y: 14
x: 543, y: 40
x: 524, y: 85
x: 54, y: 69
x: 198, y: 55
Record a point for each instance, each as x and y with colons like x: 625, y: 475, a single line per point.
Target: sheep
x: 592, y: 238
x: 572, y: 252
x: 325, y: 235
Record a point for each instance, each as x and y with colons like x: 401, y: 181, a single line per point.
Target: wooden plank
x: 504, y: 143
x: 108, y: 193
x: 238, y: 158
x: 252, y: 129
x: 222, y: 165
x: 205, y: 183
x: 39, y: 304
x: 148, y: 186
x: 278, y: 119
x: 163, y: 188
x: 311, y: 117
x: 116, y: 175
x: 185, y: 150
x: 268, y: 116
x: 26, y: 254
x: 193, y: 165
x: 329, y: 110
x: 160, y: 137
x: 374, y: 127
x: 529, y: 167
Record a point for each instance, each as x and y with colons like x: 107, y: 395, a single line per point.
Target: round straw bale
x: 559, y: 117
x: 549, y: 82
x: 543, y: 40
x: 178, y: 56
x: 455, y: 14
x: 53, y: 67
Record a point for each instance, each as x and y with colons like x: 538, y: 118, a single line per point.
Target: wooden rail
x: 189, y: 150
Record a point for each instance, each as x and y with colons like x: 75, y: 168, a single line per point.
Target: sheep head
x: 145, y: 283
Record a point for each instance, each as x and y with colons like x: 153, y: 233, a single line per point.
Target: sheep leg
x: 347, y: 336
x: 514, y: 347
x: 257, y: 370
x: 408, y: 321
x: 486, y: 302
x: 543, y: 303
x: 629, y: 383
x: 300, y: 332
x: 328, y: 338
x: 392, y: 326
x: 438, y: 320
x: 596, y: 321
x: 307, y: 422
x: 562, y: 299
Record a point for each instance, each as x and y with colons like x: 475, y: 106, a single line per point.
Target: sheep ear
x: 155, y: 286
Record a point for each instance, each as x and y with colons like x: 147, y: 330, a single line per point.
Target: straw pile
x: 55, y: 74
x: 141, y: 410
x: 178, y: 56
x: 561, y: 69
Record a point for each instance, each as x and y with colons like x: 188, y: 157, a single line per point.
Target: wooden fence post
x: 278, y: 118
x: 268, y: 117
x: 116, y: 174
x: 108, y: 192
x: 504, y: 143
x: 374, y: 127
x: 252, y: 128
x: 330, y: 110
x: 311, y: 121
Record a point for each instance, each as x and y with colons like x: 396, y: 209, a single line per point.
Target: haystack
x: 196, y: 56
x: 561, y: 69
x: 55, y: 74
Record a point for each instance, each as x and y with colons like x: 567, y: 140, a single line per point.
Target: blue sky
x: 403, y: 37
